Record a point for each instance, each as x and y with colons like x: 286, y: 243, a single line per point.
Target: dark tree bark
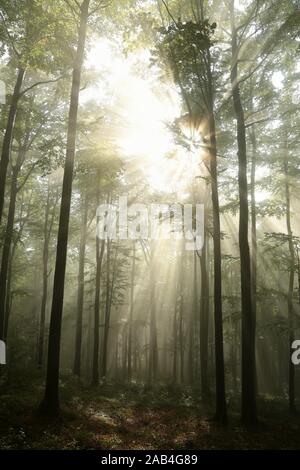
x: 6, y: 256
x: 124, y: 351
x: 8, y: 136
x: 80, y: 293
x: 8, y: 240
x: 153, y: 346
x: 130, y: 334
x: 175, y: 338
x: 48, y: 225
x: 15, y: 241
x: 110, y: 284
x: 45, y: 284
x: 192, y: 324
x: 292, y: 405
x: 107, y: 312
x: 181, y: 338
x: 50, y: 403
x: 135, y: 349
x: 248, y: 412
x: 221, y: 408
x: 204, y: 323
x: 253, y: 223
x: 99, y: 259
x: 253, y: 139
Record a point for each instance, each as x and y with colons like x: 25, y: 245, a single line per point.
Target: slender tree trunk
x: 99, y: 259
x: 117, y: 357
x: 9, y: 294
x: 130, y: 335
x: 80, y: 293
x: 234, y: 356
x: 181, y: 338
x: 124, y: 352
x: 6, y: 250
x: 253, y: 224
x: 153, y: 346
x: 175, y: 339
x: 50, y: 403
x: 45, y: 284
x: 248, y: 412
x: 9, y: 297
x: 254, y: 238
x: 221, y: 408
x: 204, y: 323
x: 8, y: 136
x: 135, y: 350
x: 298, y: 274
x: 292, y: 405
x: 180, y: 316
x: 107, y: 312
x: 253, y: 218
x: 191, y: 346
x: 110, y: 282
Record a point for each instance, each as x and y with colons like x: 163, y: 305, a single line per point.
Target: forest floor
x: 133, y: 417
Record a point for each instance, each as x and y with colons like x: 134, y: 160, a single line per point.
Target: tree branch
x: 40, y: 83
x: 9, y: 36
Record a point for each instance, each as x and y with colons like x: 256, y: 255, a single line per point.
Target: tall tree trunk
x: 8, y: 136
x: 221, y: 408
x: 107, y: 312
x: 175, y: 339
x: 153, y: 346
x: 192, y: 324
x: 80, y: 293
x: 181, y: 338
x: 96, y: 331
x: 50, y: 403
x: 6, y: 250
x: 99, y: 259
x: 108, y: 305
x: 124, y: 351
x: 292, y: 406
x: 253, y: 224
x: 48, y: 225
x: 204, y: 323
x: 248, y: 412
x: 45, y: 284
x: 254, y: 238
x: 9, y: 294
x: 130, y: 335
x: 135, y: 350
x: 252, y: 134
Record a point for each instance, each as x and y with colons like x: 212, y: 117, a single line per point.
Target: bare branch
x: 100, y: 7
x: 40, y: 83
x: 74, y: 12
x: 32, y: 167
x: 169, y: 12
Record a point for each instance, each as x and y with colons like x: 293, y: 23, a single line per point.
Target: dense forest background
x: 137, y: 343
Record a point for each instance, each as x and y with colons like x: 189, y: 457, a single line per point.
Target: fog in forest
x: 149, y: 224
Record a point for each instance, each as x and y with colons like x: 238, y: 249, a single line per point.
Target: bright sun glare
x: 143, y: 109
